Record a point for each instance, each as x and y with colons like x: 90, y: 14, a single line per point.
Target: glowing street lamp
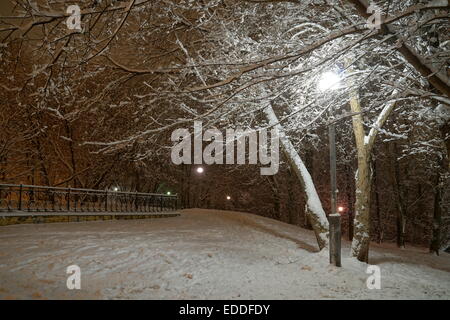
x: 200, y: 170
x: 169, y: 193
x: 228, y: 198
x: 329, y: 81
x: 116, y: 189
x: 341, y: 209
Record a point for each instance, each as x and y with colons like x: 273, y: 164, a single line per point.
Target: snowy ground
x: 203, y: 254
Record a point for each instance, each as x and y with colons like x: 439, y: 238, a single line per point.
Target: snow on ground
x: 203, y: 254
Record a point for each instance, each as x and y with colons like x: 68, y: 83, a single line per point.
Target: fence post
x: 106, y: 201
x: 20, y: 197
x: 161, y: 204
x: 68, y: 200
x: 335, y: 239
x: 136, y: 202
x: 53, y: 200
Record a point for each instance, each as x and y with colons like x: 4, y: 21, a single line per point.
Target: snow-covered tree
x: 159, y: 65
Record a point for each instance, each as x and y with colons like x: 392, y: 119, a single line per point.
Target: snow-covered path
x: 203, y: 254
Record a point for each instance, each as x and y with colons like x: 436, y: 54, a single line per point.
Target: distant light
x: 168, y: 193
x: 200, y: 170
x: 228, y: 198
x: 116, y: 189
x: 329, y: 81
x: 341, y: 209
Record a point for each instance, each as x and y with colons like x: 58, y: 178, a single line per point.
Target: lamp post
x: 228, y: 203
x: 198, y: 187
x: 331, y: 81
x: 333, y: 187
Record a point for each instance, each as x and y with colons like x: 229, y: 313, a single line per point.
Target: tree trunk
x: 436, y: 240
x: 401, y: 205
x: 292, y: 210
x: 316, y: 214
x: 276, y: 197
x: 377, y: 203
x: 435, y: 244
x: 361, y: 235
x: 364, y: 146
x: 350, y: 202
x: 309, y: 162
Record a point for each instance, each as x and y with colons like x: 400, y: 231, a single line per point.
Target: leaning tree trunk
x: 315, y: 213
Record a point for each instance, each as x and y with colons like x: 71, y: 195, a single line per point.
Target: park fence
x: 29, y: 198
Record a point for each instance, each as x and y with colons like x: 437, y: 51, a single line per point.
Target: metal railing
x: 28, y: 198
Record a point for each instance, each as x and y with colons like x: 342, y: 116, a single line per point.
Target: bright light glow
x: 116, y: 189
x: 168, y: 193
x: 329, y: 81
x: 228, y: 198
x: 200, y: 170
x: 341, y: 209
